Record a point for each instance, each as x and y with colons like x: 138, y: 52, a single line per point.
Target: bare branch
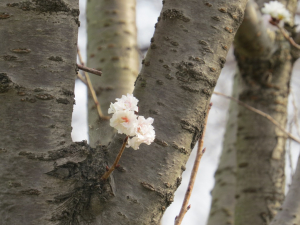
x: 268, y: 117
x: 113, y: 167
x: 89, y: 70
x: 286, y: 36
x: 90, y: 86
x: 188, y: 193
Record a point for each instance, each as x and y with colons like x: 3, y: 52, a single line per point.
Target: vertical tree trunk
x: 223, y: 194
x: 175, y: 85
x: 37, y: 72
x: 261, y: 145
x: 112, y: 48
x: 265, y: 75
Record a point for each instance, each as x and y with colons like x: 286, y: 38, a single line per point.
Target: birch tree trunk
x: 46, y: 179
x: 112, y: 48
x: 37, y: 73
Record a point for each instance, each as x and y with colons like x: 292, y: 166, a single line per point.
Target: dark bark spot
x: 229, y: 30
x: 154, y: 112
x: 223, y: 10
x: 4, y: 16
x: 9, y: 57
x: 45, y: 6
x: 174, y: 14
x: 181, y: 149
x: 148, y: 186
x: 67, y: 92
x: 30, y: 192
x: 216, y: 18
x: 63, y: 101
x: 161, y: 142
x: 189, y: 89
x: 21, y: 50
x: 55, y: 58
x: 44, y: 96
x: 243, y: 165
x: 153, y: 46
x: 203, y: 42
x: 5, y: 83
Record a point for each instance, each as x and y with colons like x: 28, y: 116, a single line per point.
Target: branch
x: 188, y: 193
x: 252, y: 38
x: 113, y: 167
x: 262, y: 114
x: 89, y: 70
x: 286, y: 36
x: 90, y: 86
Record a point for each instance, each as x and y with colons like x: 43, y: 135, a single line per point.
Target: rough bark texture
x: 112, y: 48
x: 37, y: 72
x: 223, y: 194
x: 289, y: 212
x: 260, y: 145
x: 174, y: 87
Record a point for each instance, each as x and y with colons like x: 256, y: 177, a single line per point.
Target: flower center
x: 125, y: 119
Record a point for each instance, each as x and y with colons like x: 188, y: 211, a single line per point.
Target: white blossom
x: 128, y: 102
x: 144, y: 133
x: 277, y: 11
x: 125, y: 122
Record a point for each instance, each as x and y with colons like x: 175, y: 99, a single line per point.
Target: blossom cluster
x: 277, y: 11
x: 126, y: 121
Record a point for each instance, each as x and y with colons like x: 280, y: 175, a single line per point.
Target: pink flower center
x: 125, y: 119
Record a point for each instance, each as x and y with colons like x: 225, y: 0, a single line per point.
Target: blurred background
x: 147, y: 13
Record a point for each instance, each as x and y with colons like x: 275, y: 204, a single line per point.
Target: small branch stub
x: 89, y: 70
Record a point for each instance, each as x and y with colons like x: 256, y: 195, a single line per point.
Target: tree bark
x: 265, y: 76
x: 289, y: 212
x: 112, y: 48
x: 48, y: 180
x: 37, y: 73
x: 174, y: 87
x: 223, y: 194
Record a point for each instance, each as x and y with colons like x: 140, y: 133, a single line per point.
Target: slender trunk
x: 223, y: 194
x: 37, y: 73
x: 112, y: 48
x: 265, y: 76
x: 174, y: 87
x: 260, y: 145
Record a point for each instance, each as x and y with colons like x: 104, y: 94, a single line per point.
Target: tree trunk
x: 112, y: 48
x: 223, y: 194
x: 37, y: 73
x: 47, y: 180
x: 265, y: 67
x: 174, y: 87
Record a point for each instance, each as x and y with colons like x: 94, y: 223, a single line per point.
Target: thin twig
x: 267, y: 116
x: 188, y: 193
x: 90, y: 86
x: 80, y: 77
x: 286, y: 36
x: 289, y: 152
x: 89, y: 70
x: 295, y: 113
x: 113, y: 167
